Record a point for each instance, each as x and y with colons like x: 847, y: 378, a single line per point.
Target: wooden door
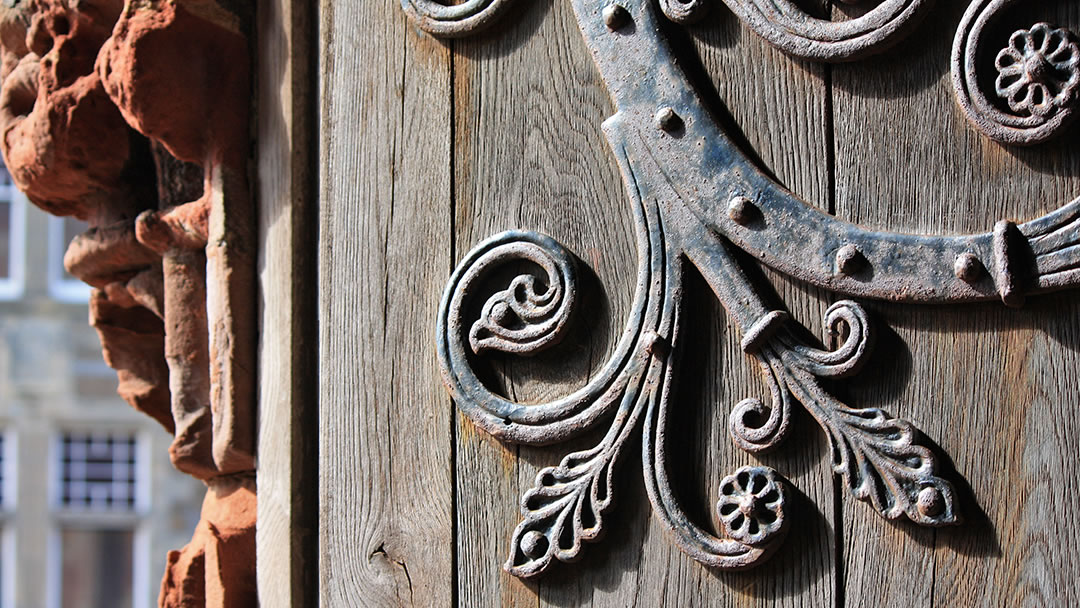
x: 428, y: 146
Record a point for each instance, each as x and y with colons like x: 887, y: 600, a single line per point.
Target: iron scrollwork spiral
x: 454, y: 20
x: 796, y: 32
x: 696, y: 199
x: 684, y: 12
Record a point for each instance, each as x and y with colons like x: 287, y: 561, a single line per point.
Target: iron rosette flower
x: 1039, y: 72
x: 751, y: 505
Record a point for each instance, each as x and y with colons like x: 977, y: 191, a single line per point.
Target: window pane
x: 98, y: 472
x: 97, y: 568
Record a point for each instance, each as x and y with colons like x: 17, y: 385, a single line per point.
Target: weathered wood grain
x: 996, y: 388
x: 286, y: 559
x: 385, y: 459
x: 529, y: 154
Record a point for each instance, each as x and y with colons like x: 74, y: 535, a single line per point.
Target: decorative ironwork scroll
x: 452, y: 20
x: 696, y: 198
x: 792, y: 29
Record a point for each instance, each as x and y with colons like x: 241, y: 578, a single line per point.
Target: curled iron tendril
x: 454, y: 20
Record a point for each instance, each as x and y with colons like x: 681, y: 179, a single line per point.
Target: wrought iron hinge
x: 696, y: 198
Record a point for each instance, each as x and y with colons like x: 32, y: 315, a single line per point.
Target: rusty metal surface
x: 696, y: 198
x: 1038, y: 74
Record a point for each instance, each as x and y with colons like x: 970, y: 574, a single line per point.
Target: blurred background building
x: 89, y: 502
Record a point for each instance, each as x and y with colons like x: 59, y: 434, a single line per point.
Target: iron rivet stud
x: 849, y: 260
x: 655, y: 344
x: 741, y: 210
x: 615, y: 16
x: 930, y: 502
x: 667, y: 119
x: 968, y: 267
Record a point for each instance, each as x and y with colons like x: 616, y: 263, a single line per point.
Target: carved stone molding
x: 133, y: 116
x: 696, y: 199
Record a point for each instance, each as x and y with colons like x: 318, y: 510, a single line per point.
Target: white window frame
x: 134, y: 520
x: 61, y: 288
x: 11, y: 288
x: 7, y: 508
x: 7, y: 546
x: 10, y: 471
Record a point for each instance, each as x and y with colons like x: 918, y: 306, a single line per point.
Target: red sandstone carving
x: 134, y: 117
x: 214, y: 569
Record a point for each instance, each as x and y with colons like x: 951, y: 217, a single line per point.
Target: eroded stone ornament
x: 696, y: 198
x: 133, y: 116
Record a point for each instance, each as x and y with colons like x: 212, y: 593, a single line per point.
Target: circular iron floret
x: 1039, y: 72
x: 751, y: 505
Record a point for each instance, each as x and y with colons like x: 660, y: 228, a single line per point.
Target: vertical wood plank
x: 529, y: 154
x: 286, y: 556
x: 385, y: 460
x: 994, y: 387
